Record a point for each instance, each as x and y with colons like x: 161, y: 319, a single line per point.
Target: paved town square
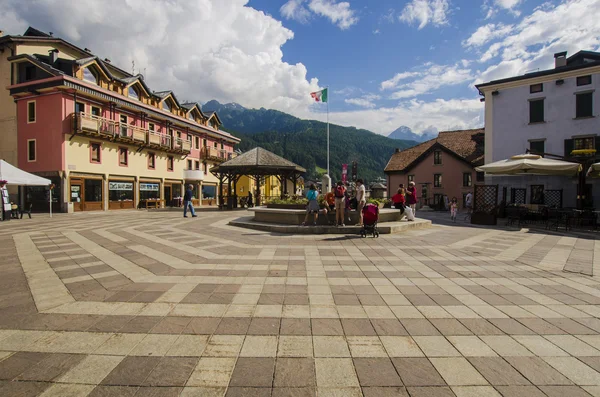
x: 152, y: 304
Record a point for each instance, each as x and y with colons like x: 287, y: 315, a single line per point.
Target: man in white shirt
x: 361, y: 199
x: 469, y: 202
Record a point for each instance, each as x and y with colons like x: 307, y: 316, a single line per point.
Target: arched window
x: 90, y: 75
x: 166, y: 106
x: 132, y: 92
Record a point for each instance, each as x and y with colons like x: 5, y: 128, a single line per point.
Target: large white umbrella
x: 530, y: 164
x: 15, y: 176
x: 594, y: 169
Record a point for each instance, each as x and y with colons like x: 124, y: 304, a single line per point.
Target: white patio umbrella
x: 530, y: 164
x: 15, y: 176
x: 594, y: 170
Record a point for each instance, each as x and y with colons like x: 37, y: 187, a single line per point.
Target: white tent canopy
x: 530, y: 164
x: 594, y: 169
x: 15, y: 176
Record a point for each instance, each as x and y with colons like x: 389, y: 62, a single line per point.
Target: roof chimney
x: 560, y: 59
x: 53, y: 56
x: 397, y: 150
x: 1, y: 33
x: 106, y: 60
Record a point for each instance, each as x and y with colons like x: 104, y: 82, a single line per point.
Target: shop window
x: 467, y: 179
x: 534, y: 88
x: 31, y: 150
x: 149, y: 191
x: 93, y: 190
x: 584, y: 80
x: 31, y: 112
x: 437, y: 180
x: 123, y: 156
x: 197, y: 165
x: 537, y: 147
x: 151, y: 161
x: 170, y: 163
x: 120, y: 191
x: 583, y: 143
x: 583, y: 105
x: 209, y: 192
x: 536, y: 111
x: 95, y: 151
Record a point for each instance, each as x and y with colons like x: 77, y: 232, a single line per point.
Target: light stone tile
x: 505, y: 346
x: 154, y: 345
x: 224, y: 346
x: 64, y: 390
x: 203, y: 392
x: 515, y: 311
x: 321, y: 299
x: 471, y: 346
x: 487, y: 311
x: 406, y: 312
x: 274, y: 311
x: 75, y: 342
x: 461, y: 312
x: 540, y: 346
x: 572, y: 345
x: 335, y: 373
x: 351, y: 311
x: 212, y: 372
x: 295, y: 346
x: 401, y: 346
x: 120, y: 344
x: 323, y: 312
x: 396, y: 300
x: 457, y: 371
x: 91, y: 370
x: 475, y: 391
x: 433, y: 312
x: 240, y: 311
x: 379, y: 312
x: 5, y: 355
x: 593, y: 390
x: 25, y: 340
x: 366, y: 346
x: 296, y: 311
x: 593, y: 340
x: 330, y: 346
x: 188, y: 346
x: 259, y: 346
x: 340, y: 392
x: 436, y: 346
x: 575, y: 370
x: 159, y: 309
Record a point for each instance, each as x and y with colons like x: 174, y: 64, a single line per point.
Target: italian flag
x: 320, y: 96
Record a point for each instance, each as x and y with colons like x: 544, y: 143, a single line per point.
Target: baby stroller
x: 370, y: 217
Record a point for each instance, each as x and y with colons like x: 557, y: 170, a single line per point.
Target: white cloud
x: 366, y: 101
x: 202, y: 50
x: 570, y: 26
x: 426, y: 11
x: 294, y: 9
x: 430, y: 78
x: 487, y: 33
x: 339, y: 14
x: 491, y: 7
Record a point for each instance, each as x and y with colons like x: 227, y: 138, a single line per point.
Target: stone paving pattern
x: 139, y: 303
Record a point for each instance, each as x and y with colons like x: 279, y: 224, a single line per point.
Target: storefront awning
x: 15, y: 176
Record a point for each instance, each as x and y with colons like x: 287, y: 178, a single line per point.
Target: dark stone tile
x: 82, y: 322
x: 450, y: 326
x: 537, y: 371
x: 388, y: 327
x: 18, y: 363
x: 271, y: 299
x: 593, y: 362
x: 253, y: 372
x: 22, y: 389
x: 541, y: 326
x: 520, y: 391
x: 480, y: 326
x: 371, y: 300
x: 141, y: 324
x: 346, y: 300
x: 570, y: 326
x: 264, y: 326
x: 132, y: 371
x: 171, y: 325
x: 171, y: 371
x: 384, y: 392
x: 205, y: 288
x: 564, y: 391
x: 419, y: 326
x: 296, y: 299
x: 113, y: 391
x: 295, y: 372
x: 248, y: 392
x: 295, y: 326
x: 233, y: 326
x: 52, y: 367
x: 110, y: 324
x: 196, y: 297
x: 430, y: 392
x: 221, y: 299
x: 498, y: 372
x: 158, y: 391
x: 417, y: 372
x: 327, y: 327
x: 202, y: 326
x: 357, y: 327
x: 511, y: 326
x: 293, y: 392
x: 376, y: 372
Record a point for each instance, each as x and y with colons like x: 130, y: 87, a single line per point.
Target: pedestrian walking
x: 340, y: 205
x: 411, y: 197
x: 313, y: 205
x: 187, y: 202
x: 453, y: 208
x: 361, y: 199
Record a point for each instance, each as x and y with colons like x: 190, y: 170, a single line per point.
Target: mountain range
x: 405, y: 133
x: 305, y: 141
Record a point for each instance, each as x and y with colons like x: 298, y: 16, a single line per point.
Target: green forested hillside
x: 305, y: 141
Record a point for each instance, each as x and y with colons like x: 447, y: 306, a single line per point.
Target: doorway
x: 168, y: 196
x: 77, y: 195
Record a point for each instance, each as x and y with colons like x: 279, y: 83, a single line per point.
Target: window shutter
x: 568, y: 147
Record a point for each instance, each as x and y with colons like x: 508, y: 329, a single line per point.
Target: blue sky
x: 388, y: 63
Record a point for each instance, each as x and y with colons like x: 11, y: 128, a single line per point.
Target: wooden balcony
x: 159, y: 141
x: 182, y: 145
x: 213, y: 154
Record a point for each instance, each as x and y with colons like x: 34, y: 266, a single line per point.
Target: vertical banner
x: 354, y: 171
x: 344, y: 173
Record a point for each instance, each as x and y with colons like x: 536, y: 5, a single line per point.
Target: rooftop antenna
x: 133, y: 68
x: 145, y: 74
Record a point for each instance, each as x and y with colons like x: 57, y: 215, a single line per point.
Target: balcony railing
x: 99, y: 126
x: 211, y: 153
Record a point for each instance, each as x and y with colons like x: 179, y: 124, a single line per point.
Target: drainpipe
x: 75, y: 113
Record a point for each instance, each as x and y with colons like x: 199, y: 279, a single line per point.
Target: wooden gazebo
x: 256, y: 164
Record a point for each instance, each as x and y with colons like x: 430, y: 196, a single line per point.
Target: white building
x: 551, y: 111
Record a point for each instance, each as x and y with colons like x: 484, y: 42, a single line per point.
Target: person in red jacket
x: 399, y: 199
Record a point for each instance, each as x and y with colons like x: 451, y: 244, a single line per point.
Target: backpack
x: 339, y: 191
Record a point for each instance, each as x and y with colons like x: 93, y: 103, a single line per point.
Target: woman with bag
x: 313, y: 205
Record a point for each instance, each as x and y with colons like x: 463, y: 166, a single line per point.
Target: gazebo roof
x: 257, y: 161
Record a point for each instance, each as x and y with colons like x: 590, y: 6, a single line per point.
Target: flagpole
x: 328, y: 131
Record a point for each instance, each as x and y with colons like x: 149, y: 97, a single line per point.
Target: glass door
x: 77, y: 195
